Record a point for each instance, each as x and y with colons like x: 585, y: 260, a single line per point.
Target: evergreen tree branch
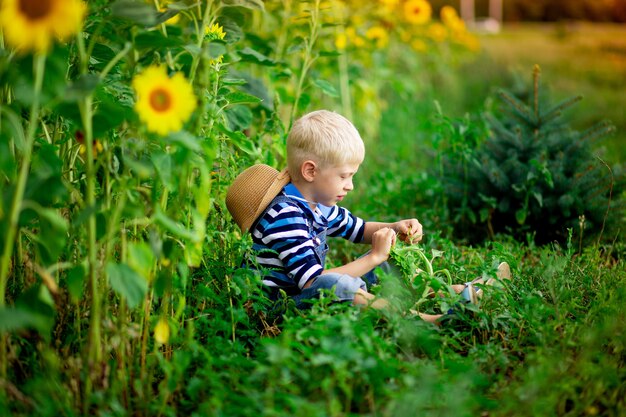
x: 557, y: 110
x: 515, y: 104
x: 597, y: 131
x: 499, y: 128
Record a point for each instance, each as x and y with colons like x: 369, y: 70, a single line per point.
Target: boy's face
x: 331, y: 184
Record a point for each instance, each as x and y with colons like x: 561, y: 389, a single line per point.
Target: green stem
x: 309, y: 59
x: 16, y: 203
x: 95, y: 347
x: 206, y: 18
x: 426, y: 262
x: 168, y: 57
x: 344, y: 85
x: 232, y: 312
x: 282, y: 37
x: 115, y: 60
x: 145, y: 331
x: 94, y: 352
x: 344, y: 77
x: 122, y: 322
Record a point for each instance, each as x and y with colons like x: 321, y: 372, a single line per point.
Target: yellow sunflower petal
x: 162, y: 331
x: 33, y: 25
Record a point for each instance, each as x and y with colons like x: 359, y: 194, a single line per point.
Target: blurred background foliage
x: 552, y: 10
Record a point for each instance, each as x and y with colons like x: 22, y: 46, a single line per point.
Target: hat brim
x: 273, y: 190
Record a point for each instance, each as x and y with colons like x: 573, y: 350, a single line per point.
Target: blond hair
x: 324, y: 137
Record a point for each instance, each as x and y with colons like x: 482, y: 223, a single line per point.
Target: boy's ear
x: 308, y: 170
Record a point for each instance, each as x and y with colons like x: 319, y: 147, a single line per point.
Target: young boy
x: 291, y: 214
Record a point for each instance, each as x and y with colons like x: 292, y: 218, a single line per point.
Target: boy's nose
x: 349, y: 185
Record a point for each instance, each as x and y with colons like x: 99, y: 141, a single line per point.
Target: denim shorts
x: 344, y: 287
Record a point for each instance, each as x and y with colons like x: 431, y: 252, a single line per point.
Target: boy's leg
x: 345, y: 287
x: 348, y: 288
x: 470, y: 292
x: 387, y: 267
x: 502, y: 274
x: 364, y: 298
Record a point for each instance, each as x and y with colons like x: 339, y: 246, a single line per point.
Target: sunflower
x: 448, y: 14
x: 437, y: 32
x: 341, y: 41
x: 451, y: 19
x: 31, y: 25
x: 172, y: 20
x: 163, y: 103
x: 419, y: 45
x: 379, y: 35
x: 417, y: 12
x: 96, y: 148
x: 354, y: 38
x: 215, y: 32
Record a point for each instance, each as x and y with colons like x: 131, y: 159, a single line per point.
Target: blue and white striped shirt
x: 284, y: 239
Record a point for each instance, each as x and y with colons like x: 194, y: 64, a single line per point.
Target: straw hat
x: 252, y: 191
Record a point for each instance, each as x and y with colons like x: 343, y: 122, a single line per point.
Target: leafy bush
x: 527, y: 172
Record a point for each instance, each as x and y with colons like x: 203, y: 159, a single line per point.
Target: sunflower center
x: 35, y: 9
x: 160, y: 100
x: 416, y: 10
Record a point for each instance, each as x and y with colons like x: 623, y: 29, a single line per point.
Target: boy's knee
x: 364, y: 298
x: 345, y: 286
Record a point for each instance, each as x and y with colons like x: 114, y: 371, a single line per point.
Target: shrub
x: 528, y: 172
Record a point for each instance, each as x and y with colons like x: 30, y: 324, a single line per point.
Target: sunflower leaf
x: 250, y: 55
x: 239, y: 97
x: 15, y: 127
x: 137, y: 12
x: 81, y: 88
x: 326, y: 87
x: 248, y: 4
x: 127, y: 283
x: 154, y: 39
x: 12, y: 319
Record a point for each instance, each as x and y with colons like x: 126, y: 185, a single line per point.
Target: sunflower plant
x: 124, y: 136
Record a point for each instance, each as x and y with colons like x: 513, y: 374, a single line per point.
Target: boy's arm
x: 409, y: 230
x: 382, y: 241
x: 284, y: 232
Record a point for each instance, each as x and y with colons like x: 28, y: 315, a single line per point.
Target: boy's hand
x: 409, y: 231
x: 382, y: 241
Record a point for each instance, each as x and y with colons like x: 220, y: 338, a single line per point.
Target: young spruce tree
x: 533, y: 176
